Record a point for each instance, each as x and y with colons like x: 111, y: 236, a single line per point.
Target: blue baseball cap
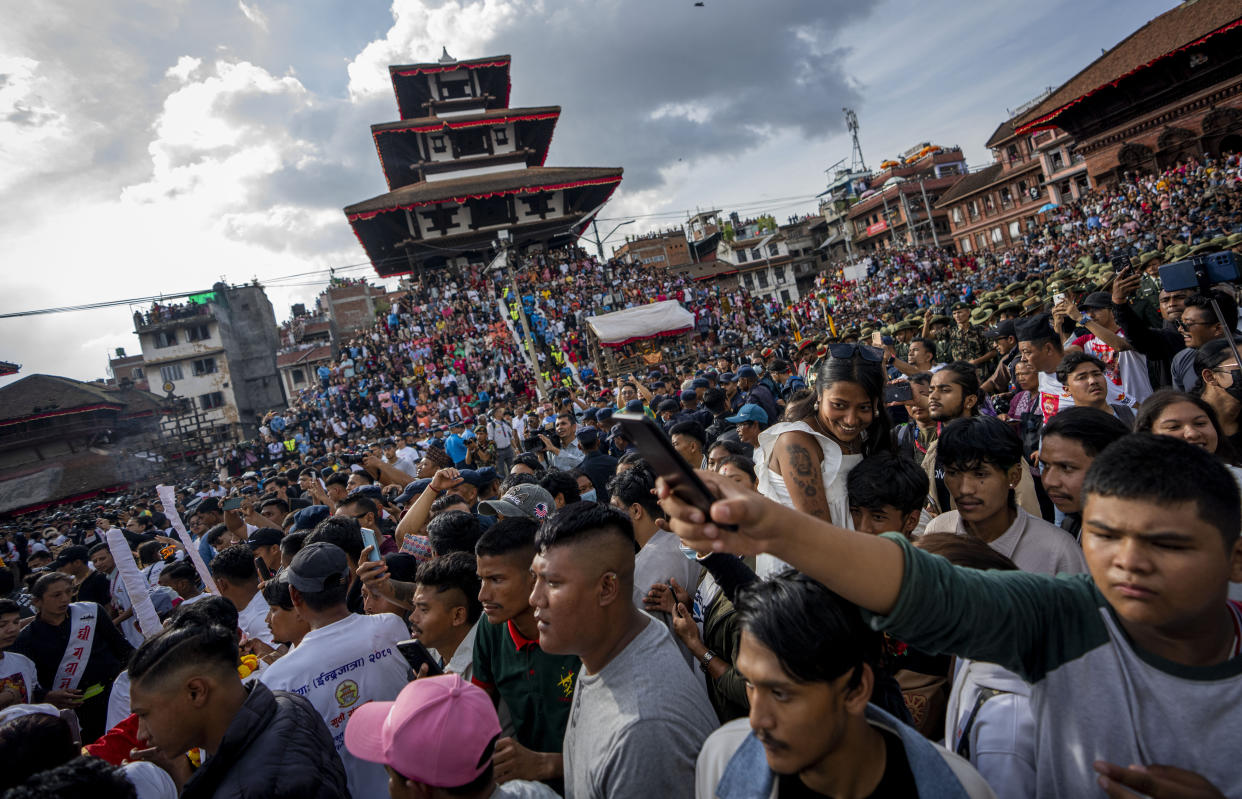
x: 634, y: 406
x: 750, y: 412
x: 412, y: 490
x: 479, y: 478
x: 746, y: 371
x: 308, y: 518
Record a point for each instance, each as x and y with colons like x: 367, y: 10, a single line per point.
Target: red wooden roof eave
x: 581, y: 228
x: 501, y: 116
x: 1048, y: 121
x: 427, y: 69
x: 537, y: 118
x: 573, y: 184
x: 113, y: 406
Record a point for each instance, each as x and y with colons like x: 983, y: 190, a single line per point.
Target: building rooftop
x: 1185, y: 25
x: 1003, y: 131
x: 71, y: 478
x: 460, y: 189
x: 304, y: 355
x: 970, y: 183
x: 47, y: 395
x: 39, y: 396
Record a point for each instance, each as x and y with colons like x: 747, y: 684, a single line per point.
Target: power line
x: 753, y: 205
x: 280, y: 281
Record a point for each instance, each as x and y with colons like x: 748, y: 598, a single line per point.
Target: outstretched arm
x: 864, y: 569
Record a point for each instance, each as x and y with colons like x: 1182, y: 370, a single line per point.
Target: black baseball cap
x: 264, y: 537
x: 1096, y: 299
x: 71, y: 554
x: 1005, y: 329
x: 318, y: 567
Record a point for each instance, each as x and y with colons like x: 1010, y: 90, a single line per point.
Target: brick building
x: 1171, y: 90
x: 127, y: 369
x: 667, y: 248
x: 898, y: 209
x: 993, y: 206
x: 349, y: 305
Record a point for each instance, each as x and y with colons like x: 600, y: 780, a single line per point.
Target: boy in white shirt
x: 345, y: 661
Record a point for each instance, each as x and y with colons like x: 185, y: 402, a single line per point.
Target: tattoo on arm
x: 804, y: 469
x: 805, y: 483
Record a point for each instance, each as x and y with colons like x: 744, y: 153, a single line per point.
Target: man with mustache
x: 808, y: 660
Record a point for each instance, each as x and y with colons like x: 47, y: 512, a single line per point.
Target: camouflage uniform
x: 957, y: 344
x: 1146, y: 301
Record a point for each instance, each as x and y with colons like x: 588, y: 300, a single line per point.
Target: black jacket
x: 1159, y: 345
x: 600, y: 467
x: 277, y: 747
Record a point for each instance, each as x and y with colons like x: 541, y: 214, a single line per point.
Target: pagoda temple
x: 462, y: 166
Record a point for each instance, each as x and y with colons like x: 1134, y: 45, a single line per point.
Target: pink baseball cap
x: 438, y: 732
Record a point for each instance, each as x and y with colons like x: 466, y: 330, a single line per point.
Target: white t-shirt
x: 252, y: 620
x: 1054, y: 397
x: 341, y: 667
x: 18, y: 672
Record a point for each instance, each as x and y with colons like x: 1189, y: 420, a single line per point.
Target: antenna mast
x: 857, y: 164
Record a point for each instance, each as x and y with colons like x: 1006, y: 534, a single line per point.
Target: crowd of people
x: 975, y: 533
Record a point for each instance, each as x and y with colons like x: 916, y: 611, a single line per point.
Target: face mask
x: 688, y: 552
x: 588, y: 496
x: 1235, y: 389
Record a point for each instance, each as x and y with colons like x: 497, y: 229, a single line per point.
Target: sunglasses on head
x: 864, y: 351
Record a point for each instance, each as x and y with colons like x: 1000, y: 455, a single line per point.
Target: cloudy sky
x: 153, y: 146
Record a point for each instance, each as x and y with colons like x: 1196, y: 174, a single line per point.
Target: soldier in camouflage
x: 963, y: 341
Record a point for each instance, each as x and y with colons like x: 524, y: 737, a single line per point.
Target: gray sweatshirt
x: 1094, y: 696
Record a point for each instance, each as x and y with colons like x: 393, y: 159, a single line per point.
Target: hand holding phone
x: 370, y: 539
x: 419, y: 656
x: 658, y: 450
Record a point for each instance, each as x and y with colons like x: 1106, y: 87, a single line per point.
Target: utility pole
x: 911, y: 226
x: 930, y: 221
x: 888, y: 220
x: 506, y: 252
x: 599, y: 244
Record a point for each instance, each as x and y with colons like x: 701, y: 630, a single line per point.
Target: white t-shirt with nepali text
x: 340, y: 668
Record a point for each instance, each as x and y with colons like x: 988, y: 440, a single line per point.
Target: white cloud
x: 694, y: 112
x: 253, y: 14
x: 185, y: 68
x: 217, y: 135
x: 34, y: 134
x: 420, y: 33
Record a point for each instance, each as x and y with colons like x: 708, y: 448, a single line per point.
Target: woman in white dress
x: 802, y: 462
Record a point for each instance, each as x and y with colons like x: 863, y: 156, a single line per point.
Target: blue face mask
x: 688, y: 552
x: 588, y: 496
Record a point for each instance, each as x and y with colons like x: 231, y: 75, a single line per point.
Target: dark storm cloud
x: 755, y: 69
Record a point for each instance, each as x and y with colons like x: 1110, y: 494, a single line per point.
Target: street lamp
x: 599, y: 243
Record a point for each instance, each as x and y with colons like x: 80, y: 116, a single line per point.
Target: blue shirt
x: 455, y: 446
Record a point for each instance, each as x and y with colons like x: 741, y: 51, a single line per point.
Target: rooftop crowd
x: 975, y: 533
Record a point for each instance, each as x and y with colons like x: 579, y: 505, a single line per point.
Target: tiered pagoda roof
x: 461, y: 166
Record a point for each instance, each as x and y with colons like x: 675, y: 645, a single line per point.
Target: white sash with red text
x: 81, y: 634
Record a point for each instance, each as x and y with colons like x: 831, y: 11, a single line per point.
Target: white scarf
x: 81, y: 635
